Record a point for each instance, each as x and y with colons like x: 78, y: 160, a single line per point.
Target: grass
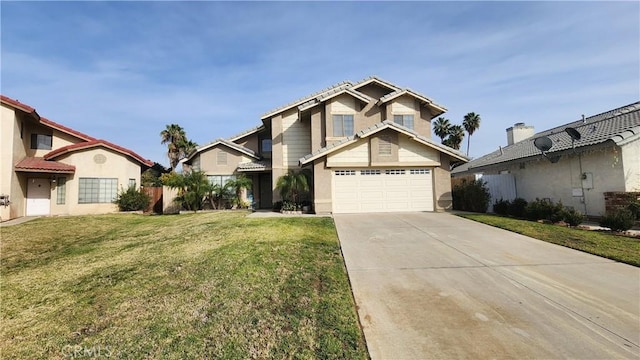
x: 619, y: 248
x: 211, y: 285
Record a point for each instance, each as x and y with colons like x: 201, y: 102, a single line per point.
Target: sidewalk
x: 17, y: 221
x: 273, y: 214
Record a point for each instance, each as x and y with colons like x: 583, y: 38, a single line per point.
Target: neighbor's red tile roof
x: 89, y: 141
x: 38, y: 164
x: 95, y: 143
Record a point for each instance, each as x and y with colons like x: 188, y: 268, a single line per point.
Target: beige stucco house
x: 50, y: 169
x: 367, y: 145
x: 604, y: 157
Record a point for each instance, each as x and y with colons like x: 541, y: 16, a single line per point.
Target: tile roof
x: 255, y: 166
x: 64, y: 129
x: 96, y: 143
x: 309, y: 101
x: 617, y: 125
x: 253, y: 130
x: 226, y: 143
x: 39, y: 164
x: 374, y: 129
x: 18, y: 105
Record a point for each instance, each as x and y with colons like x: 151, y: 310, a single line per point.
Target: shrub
x: 573, y: 217
x: 132, y: 200
x: 619, y: 220
x: 277, y: 206
x: 634, y: 208
x: 501, y: 207
x: 544, y: 210
x: 518, y: 208
x: 471, y: 196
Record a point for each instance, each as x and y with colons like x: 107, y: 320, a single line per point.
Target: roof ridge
x: 345, y: 83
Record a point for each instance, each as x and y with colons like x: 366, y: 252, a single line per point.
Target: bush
x: 619, y: 220
x: 277, y: 206
x: 518, y: 208
x: 573, y: 217
x: 634, y: 208
x: 544, y: 210
x: 471, y: 196
x: 132, y: 200
x: 501, y: 207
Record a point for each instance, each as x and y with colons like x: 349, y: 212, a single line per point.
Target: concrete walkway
x: 436, y: 286
x: 17, y: 221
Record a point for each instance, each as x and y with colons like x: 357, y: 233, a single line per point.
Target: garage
x: 382, y: 190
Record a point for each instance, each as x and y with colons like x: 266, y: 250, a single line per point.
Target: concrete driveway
x: 436, y: 286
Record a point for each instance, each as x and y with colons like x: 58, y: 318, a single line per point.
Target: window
x: 222, y: 158
x: 404, y: 120
x: 132, y: 182
x: 220, y: 180
x: 266, y: 145
x: 419, y: 171
x: 61, y: 190
x: 384, y: 146
x: 345, y: 172
x: 97, y: 190
x: 342, y: 125
x: 369, y: 172
x: 394, y: 172
x: 41, y: 141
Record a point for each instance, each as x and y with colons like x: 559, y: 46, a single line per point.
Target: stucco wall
x: 296, y: 139
x: 322, y: 191
x: 562, y: 181
x: 89, y: 165
x: 631, y: 165
x: 8, y: 129
x: 209, y: 160
x: 442, y: 185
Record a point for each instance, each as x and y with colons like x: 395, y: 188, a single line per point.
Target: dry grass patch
x: 213, y: 285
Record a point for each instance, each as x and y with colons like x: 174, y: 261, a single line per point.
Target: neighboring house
x: 49, y: 169
x: 367, y: 145
x: 605, y: 158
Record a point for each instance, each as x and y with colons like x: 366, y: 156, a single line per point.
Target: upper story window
x: 342, y: 125
x: 404, y: 120
x: 41, y: 141
x: 265, y: 145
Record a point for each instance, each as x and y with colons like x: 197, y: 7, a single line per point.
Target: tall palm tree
x: 240, y: 182
x: 471, y: 123
x: 292, y: 184
x: 456, y: 135
x: 174, y: 136
x: 441, y: 127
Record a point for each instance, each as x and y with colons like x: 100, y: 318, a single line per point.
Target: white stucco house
x: 602, y: 156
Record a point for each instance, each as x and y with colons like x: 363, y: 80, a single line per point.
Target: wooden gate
x: 155, y: 193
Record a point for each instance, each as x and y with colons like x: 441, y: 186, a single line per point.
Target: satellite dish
x: 543, y: 144
x: 575, y: 135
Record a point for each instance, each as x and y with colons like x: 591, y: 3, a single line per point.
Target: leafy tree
x: 178, y: 146
x: 151, y: 176
x: 471, y: 123
x: 441, y: 128
x: 292, y: 184
x: 132, y: 199
x: 455, y: 137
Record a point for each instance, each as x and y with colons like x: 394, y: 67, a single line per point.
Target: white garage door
x: 357, y: 191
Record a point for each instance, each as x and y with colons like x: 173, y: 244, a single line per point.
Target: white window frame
x: 339, y: 119
x: 401, y: 119
x: 97, y: 190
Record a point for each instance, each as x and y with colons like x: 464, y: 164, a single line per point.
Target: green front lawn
x: 211, y: 285
x: 619, y: 248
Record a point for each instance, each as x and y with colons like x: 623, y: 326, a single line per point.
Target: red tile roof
x: 17, y: 104
x: 64, y: 129
x: 38, y: 164
x: 95, y: 143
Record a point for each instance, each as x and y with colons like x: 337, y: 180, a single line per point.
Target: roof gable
x: 96, y: 143
x: 327, y: 96
x: 227, y: 143
x: 619, y: 125
x: 439, y: 109
x: 375, y: 80
x: 375, y: 129
x: 302, y: 100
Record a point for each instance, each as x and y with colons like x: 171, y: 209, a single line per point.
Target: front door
x: 38, y: 197
x: 266, y: 191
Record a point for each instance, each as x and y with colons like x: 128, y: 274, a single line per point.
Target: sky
x: 122, y: 71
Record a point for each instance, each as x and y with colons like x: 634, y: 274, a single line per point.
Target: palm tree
x: 240, y: 182
x: 471, y: 123
x: 441, y: 128
x: 175, y: 137
x: 292, y: 184
x: 456, y: 135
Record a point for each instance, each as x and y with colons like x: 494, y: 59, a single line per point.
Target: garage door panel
x: 390, y: 191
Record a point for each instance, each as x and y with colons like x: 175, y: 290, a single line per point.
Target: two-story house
x: 367, y: 145
x: 49, y: 169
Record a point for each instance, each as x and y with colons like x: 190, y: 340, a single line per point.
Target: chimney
x: 519, y: 132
